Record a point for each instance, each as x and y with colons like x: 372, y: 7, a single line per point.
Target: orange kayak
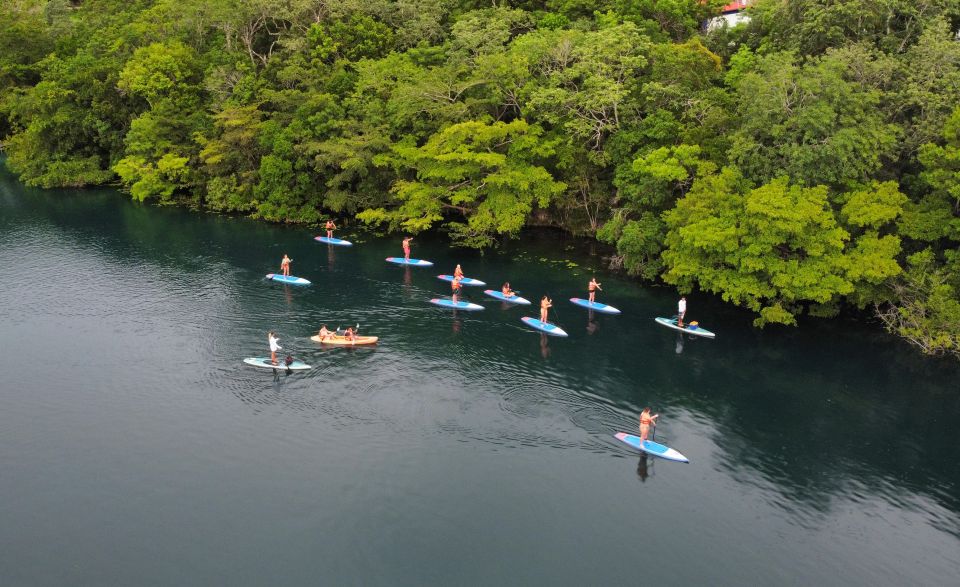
x: 343, y: 340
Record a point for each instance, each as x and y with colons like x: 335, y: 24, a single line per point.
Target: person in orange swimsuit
x: 545, y: 305
x: 646, y: 420
x: 455, y: 287
x: 458, y: 272
x: 330, y: 228
x: 285, y: 265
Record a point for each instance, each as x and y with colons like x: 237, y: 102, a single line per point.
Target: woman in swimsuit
x: 455, y: 287
x: 507, y: 292
x: 285, y: 265
x: 458, y: 272
x: 349, y: 335
x: 592, y: 288
x: 274, y: 346
x: 330, y: 228
x: 545, y: 305
x: 646, y: 420
x: 406, y: 247
x: 324, y: 333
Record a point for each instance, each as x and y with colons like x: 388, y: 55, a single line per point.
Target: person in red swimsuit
x: 592, y: 288
x: 406, y: 247
x: 646, y: 420
x: 330, y: 228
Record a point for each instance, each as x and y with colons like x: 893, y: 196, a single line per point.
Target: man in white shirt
x: 681, y: 311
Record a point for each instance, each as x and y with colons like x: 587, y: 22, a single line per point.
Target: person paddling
x: 285, y: 265
x: 349, y: 334
x: 455, y: 287
x: 458, y: 272
x: 406, y: 248
x: 592, y: 288
x: 545, y: 305
x: 274, y: 346
x: 646, y: 420
x: 681, y: 310
x: 324, y: 333
x: 330, y: 228
x: 507, y: 292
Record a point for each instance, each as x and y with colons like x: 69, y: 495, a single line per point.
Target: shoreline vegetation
x: 802, y: 161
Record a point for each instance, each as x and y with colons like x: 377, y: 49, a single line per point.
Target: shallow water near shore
x: 138, y: 449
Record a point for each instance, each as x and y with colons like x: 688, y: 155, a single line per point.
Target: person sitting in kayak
x: 646, y: 420
x: 406, y: 247
x: 458, y: 272
x: 349, y: 334
x: 545, y: 305
x: 324, y: 333
x: 274, y: 346
x: 681, y: 310
x: 285, y: 265
x: 507, y: 292
x: 455, y: 287
x: 592, y: 288
x: 330, y: 228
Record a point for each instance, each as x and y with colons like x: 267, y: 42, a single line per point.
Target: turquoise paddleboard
x: 460, y: 305
x: 414, y: 262
x: 290, y: 279
x: 651, y: 447
x: 463, y: 281
x: 596, y: 306
x: 695, y: 330
x: 551, y: 329
x: 333, y: 241
x: 515, y: 299
x: 265, y: 363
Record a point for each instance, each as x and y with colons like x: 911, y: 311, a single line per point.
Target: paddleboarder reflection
x: 544, y: 347
x: 330, y: 257
x: 591, y: 325
x: 643, y: 467
x: 457, y: 322
x: 407, y: 277
x: 679, y: 343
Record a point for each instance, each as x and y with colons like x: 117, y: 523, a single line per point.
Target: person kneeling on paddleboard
x: 507, y: 292
x: 646, y: 420
x: 324, y: 333
x: 681, y: 310
x: 274, y: 346
x: 285, y: 267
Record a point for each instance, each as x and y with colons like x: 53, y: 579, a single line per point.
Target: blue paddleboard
x: 333, y: 241
x: 265, y: 363
x: 695, y: 330
x: 512, y: 299
x: 596, y: 306
x: 463, y: 281
x: 460, y: 305
x: 551, y: 329
x: 290, y: 279
x: 414, y: 262
x: 651, y: 447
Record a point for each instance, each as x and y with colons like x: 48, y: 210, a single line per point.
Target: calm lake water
x: 137, y: 449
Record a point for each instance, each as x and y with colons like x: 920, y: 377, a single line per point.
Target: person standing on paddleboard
x: 285, y: 265
x: 458, y: 272
x: 406, y: 247
x: 455, y: 287
x: 274, y: 346
x: 646, y: 420
x: 330, y: 228
x: 681, y: 310
x: 545, y: 305
x: 592, y: 288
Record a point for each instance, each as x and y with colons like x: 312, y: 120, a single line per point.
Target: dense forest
x: 801, y: 162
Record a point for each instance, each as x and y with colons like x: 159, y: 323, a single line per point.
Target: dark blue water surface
x: 137, y: 448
